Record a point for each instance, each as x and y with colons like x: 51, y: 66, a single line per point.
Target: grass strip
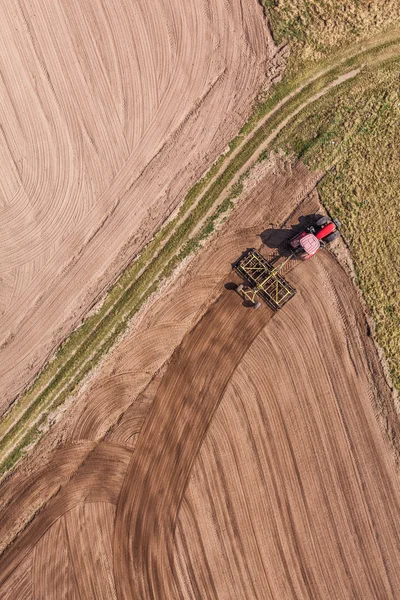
x: 353, y: 136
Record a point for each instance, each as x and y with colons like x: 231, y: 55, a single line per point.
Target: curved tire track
x: 295, y: 452
x: 99, y: 479
x: 168, y: 444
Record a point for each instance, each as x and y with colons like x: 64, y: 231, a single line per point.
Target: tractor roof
x: 310, y: 244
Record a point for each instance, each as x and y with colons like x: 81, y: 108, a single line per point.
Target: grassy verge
x: 87, y: 345
x: 317, y: 28
x: 353, y: 135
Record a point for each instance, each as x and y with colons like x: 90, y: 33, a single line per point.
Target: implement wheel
x: 257, y: 305
x: 239, y: 288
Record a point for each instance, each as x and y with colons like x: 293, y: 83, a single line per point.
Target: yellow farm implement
x: 262, y: 279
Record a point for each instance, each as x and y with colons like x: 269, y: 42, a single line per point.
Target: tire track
x: 168, y: 444
x: 294, y: 490
x: 99, y: 479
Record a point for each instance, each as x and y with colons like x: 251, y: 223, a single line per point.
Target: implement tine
x: 265, y: 278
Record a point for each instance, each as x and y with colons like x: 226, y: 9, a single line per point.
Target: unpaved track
x: 106, y: 121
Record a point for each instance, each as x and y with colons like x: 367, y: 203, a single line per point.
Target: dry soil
x: 221, y: 452
x: 110, y: 111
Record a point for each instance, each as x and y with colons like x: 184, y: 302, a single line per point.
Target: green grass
x: 353, y: 134
x: 317, y: 28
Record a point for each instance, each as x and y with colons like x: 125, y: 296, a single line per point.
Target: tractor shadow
x: 276, y: 239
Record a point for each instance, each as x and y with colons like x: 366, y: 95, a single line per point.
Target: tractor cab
x: 316, y: 236
x: 306, y: 245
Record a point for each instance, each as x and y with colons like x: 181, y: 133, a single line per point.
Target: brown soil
x: 293, y: 494
x: 221, y: 452
x: 106, y: 125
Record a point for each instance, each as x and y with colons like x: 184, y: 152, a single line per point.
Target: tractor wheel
x: 239, y: 288
x: 332, y: 236
x: 257, y: 305
x: 337, y: 223
x: 322, y: 221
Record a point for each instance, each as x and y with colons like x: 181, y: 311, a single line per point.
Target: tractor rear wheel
x: 257, y: 305
x: 239, y: 287
x: 322, y: 221
x: 332, y: 236
x: 337, y: 223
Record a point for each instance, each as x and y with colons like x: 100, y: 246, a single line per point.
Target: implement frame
x: 263, y: 279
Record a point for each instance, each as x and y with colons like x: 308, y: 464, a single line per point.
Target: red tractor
x: 320, y: 233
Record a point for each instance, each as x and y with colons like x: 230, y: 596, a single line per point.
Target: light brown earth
x: 250, y: 464
x: 110, y: 111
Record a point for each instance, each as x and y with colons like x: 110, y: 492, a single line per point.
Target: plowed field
x: 110, y: 111
x: 221, y: 452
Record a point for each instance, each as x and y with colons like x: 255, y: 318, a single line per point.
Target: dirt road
x: 249, y: 465
x: 105, y: 125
